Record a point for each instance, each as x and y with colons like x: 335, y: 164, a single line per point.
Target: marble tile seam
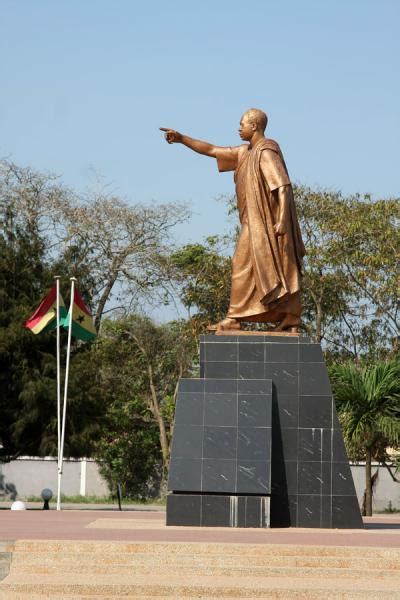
x: 262, y: 337
x: 301, y: 364
x: 208, y: 425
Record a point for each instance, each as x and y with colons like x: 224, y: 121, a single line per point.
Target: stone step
x: 107, y: 570
x: 209, y: 587
x: 5, y: 558
x: 30, y: 596
x: 27, y: 562
x: 199, y: 569
x: 106, y: 548
x: 4, y: 565
x: 280, y: 594
x: 190, y: 559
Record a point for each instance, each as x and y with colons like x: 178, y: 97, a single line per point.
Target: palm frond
x: 368, y: 402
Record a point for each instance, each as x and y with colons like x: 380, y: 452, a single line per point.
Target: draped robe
x: 266, y: 268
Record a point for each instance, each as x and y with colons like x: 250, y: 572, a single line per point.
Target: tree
x: 110, y: 247
x: 25, y: 380
x: 326, y: 292
x: 123, y: 247
x: 203, y: 276
x: 368, y: 402
x: 140, y: 394
x: 118, y: 247
x: 350, y: 290
x: 28, y: 422
x: 128, y: 446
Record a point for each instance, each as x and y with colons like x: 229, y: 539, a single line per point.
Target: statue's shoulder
x: 269, y: 144
x: 242, y: 149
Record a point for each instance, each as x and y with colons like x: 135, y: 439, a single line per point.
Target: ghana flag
x: 45, y: 316
x: 82, y: 321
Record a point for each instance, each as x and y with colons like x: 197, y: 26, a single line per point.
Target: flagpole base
x: 59, y: 491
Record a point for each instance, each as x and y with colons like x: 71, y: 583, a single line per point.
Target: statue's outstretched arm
x: 174, y: 137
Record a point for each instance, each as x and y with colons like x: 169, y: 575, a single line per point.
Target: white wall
x: 386, y: 489
x: 30, y: 475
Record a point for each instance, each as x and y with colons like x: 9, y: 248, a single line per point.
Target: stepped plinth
x: 257, y: 441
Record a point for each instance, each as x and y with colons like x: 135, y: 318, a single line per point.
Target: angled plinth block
x: 222, y: 437
x: 258, y: 435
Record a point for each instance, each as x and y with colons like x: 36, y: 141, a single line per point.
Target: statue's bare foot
x: 289, y: 323
x: 227, y: 324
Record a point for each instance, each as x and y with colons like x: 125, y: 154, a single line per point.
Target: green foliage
x: 390, y: 508
x: 25, y: 366
x: 134, y: 445
x: 203, y: 275
x: 87, y: 403
x: 129, y: 453
x: 128, y: 446
x: 350, y: 291
x: 368, y: 402
x: 28, y: 399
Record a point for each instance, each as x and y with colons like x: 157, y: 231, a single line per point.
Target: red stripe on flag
x: 31, y: 323
x: 81, y: 303
x: 43, y: 308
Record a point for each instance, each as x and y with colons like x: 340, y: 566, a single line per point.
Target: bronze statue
x: 266, y: 266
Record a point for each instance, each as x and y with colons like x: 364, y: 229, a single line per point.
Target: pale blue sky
x: 85, y: 84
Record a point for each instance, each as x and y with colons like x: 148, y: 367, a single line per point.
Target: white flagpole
x: 57, y: 278
x: 60, y: 462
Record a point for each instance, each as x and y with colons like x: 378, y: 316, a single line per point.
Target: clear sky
x: 85, y: 84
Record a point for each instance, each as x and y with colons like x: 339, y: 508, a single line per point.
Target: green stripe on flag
x: 77, y: 331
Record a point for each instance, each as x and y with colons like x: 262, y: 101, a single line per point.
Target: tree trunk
x: 318, y: 317
x: 104, y: 297
x: 368, y: 483
x: 156, y: 411
x: 171, y: 427
x: 160, y: 421
x: 318, y: 323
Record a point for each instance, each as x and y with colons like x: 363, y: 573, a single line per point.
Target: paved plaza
x: 144, y: 525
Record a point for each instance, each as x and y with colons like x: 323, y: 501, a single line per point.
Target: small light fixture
x: 47, y: 495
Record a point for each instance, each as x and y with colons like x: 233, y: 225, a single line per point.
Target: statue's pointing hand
x: 172, y: 136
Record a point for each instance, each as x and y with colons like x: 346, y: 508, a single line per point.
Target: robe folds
x: 266, y: 268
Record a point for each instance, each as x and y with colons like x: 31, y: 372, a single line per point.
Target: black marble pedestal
x: 221, y: 450
x: 257, y: 441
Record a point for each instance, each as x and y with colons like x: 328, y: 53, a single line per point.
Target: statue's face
x: 246, y: 128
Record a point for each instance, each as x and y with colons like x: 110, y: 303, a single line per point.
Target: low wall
x: 81, y: 477
x: 30, y: 475
x: 386, y: 491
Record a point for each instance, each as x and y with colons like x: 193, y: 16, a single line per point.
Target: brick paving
x: 149, y: 526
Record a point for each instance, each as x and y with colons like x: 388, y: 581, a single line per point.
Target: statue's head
x: 253, y: 120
